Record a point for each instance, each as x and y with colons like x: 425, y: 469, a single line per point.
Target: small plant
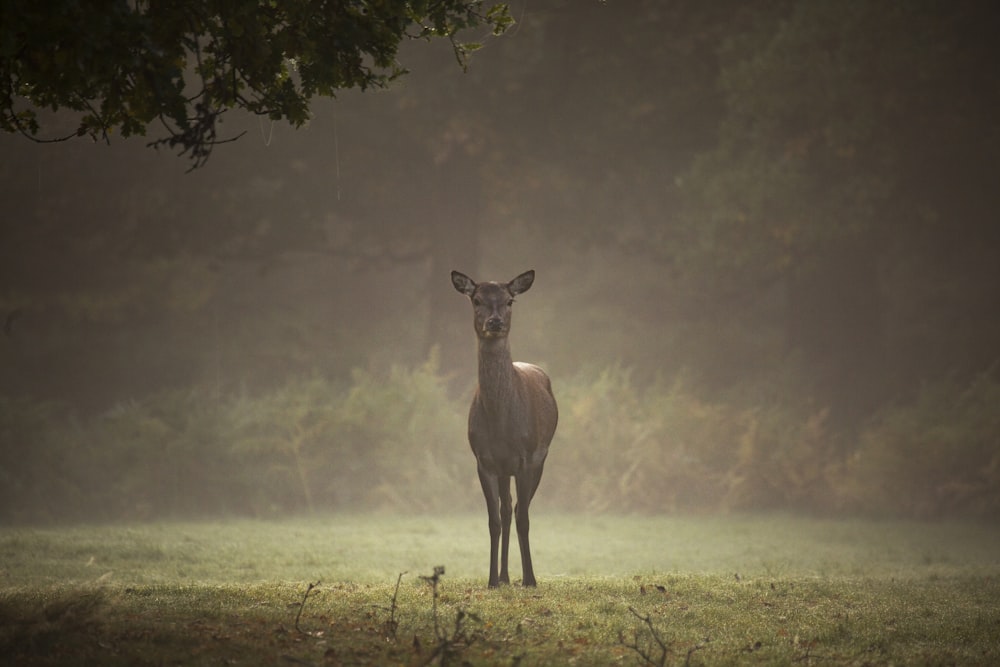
x: 449, y: 646
x: 655, y: 650
x: 391, y: 624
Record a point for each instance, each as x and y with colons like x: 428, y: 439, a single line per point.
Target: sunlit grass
x: 767, y: 590
x: 374, y: 549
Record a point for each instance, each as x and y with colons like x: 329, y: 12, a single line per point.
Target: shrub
x: 390, y: 441
x: 411, y: 437
x: 163, y: 455
x: 937, y: 455
x: 396, y: 440
x: 664, y: 448
x: 34, y: 478
x: 786, y: 458
x: 280, y: 444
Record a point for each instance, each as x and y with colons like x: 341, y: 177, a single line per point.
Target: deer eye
x: 510, y: 302
x: 477, y: 302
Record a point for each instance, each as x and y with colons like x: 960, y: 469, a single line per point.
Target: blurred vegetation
x: 766, y: 242
x: 395, y: 442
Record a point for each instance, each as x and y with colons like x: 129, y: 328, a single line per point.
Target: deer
x: 512, y: 419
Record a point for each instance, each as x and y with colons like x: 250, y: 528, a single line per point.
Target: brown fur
x: 511, y: 421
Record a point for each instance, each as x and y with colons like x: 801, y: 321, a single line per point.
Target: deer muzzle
x: 493, y: 325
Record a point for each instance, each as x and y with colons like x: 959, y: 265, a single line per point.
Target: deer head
x: 492, y: 301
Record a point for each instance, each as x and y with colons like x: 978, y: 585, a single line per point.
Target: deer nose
x: 494, y: 324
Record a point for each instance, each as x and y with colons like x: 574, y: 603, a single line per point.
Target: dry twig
x: 646, y: 651
x: 391, y: 625
x: 302, y: 606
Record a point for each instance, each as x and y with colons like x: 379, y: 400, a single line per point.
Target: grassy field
x: 612, y: 590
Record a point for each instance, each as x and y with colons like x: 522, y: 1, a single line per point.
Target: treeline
x: 395, y: 441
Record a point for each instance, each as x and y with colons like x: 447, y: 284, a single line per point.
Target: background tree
x: 856, y: 147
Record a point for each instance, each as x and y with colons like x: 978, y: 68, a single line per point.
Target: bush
x: 392, y: 441
x: 161, y: 456
x: 35, y: 480
x: 411, y: 437
x: 663, y: 448
x: 938, y: 455
x: 396, y: 441
x: 165, y: 455
x: 619, y: 448
x: 280, y: 446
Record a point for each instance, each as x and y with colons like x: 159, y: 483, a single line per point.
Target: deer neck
x: 497, y: 388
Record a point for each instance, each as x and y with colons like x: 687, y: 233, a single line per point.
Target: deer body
x: 511, y: 421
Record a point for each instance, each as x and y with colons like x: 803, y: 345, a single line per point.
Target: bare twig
x: 433, y: 580
x: 644, y: 652
x: 459, y: 640
x: 302, y: 606
x: 645, y: 649
x: 448, y: 646
x: 809, y: 656
x: 697, y: 647
x: 391, y: 625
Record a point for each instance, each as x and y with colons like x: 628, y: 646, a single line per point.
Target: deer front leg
x: 505, y: 514
x: 527, y: 484
x: 491, y: 491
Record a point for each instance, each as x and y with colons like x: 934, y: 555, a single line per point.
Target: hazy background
x: 766, y: 240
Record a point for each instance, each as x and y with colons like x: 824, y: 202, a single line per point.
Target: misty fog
x: 765, y: 239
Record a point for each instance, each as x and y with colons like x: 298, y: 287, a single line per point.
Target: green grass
x: 736, y: 590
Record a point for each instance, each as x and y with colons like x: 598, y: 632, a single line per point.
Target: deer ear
x: 522, y: 283
x: 463, y: 283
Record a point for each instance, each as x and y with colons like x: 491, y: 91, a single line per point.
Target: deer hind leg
x: 491, y: 491
x: 527, y: 484
x: 505, y: 514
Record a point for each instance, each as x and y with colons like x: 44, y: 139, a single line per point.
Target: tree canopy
x: 126, y: 66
